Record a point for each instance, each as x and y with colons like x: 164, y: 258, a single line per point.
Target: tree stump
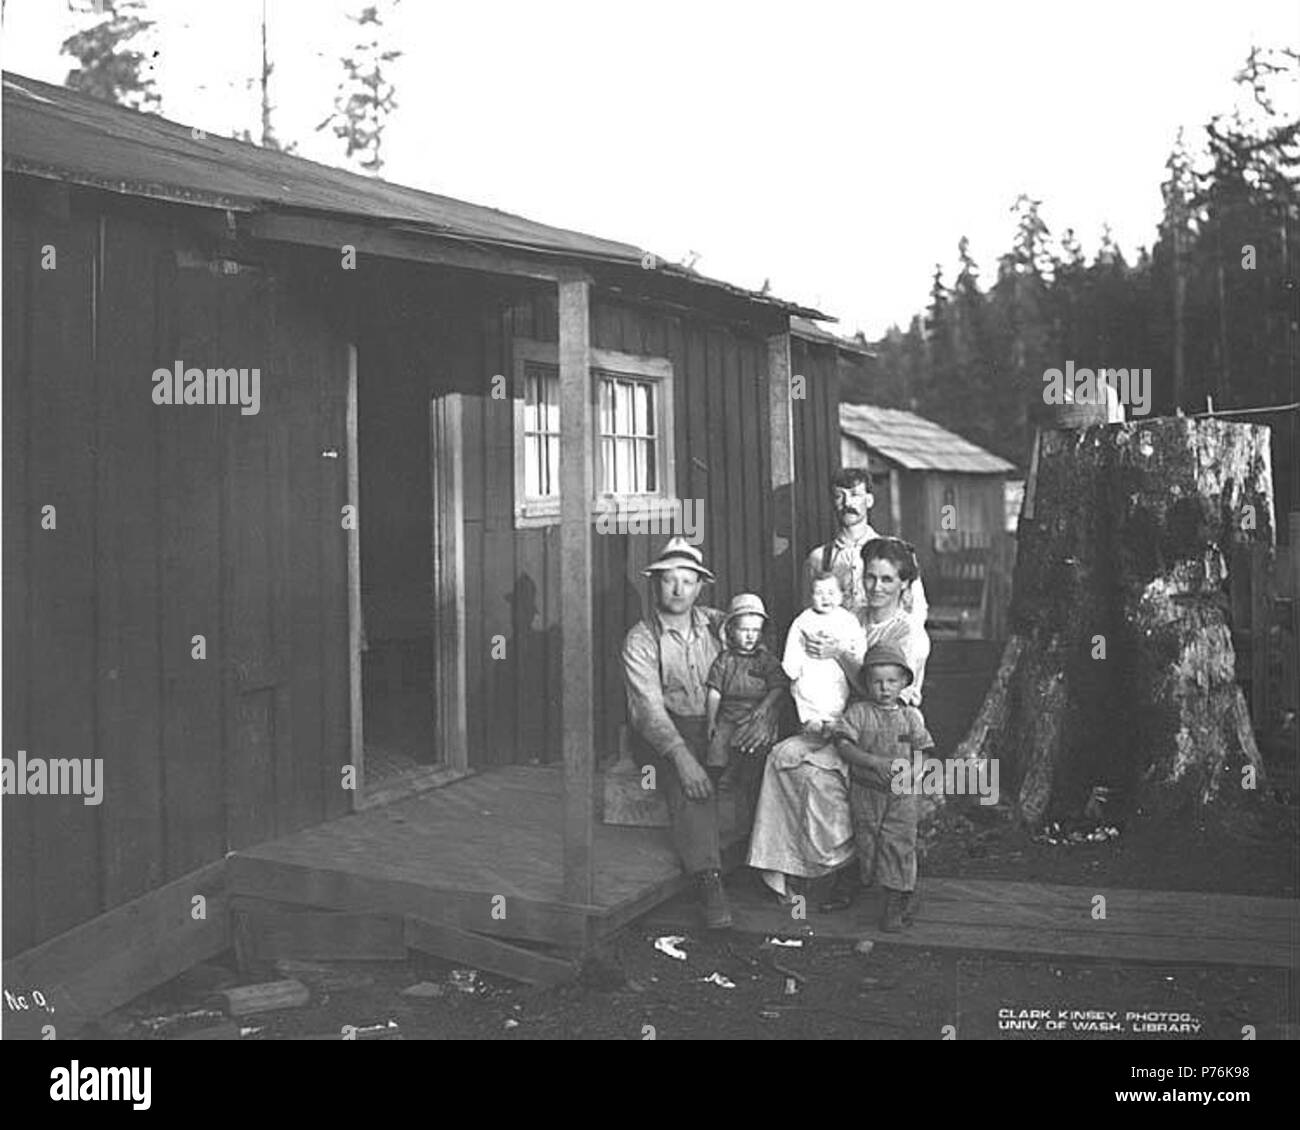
x: 1120, y: 669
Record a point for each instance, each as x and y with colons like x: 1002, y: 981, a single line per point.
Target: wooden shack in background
x: 410, y: 631
x: 945, y: 495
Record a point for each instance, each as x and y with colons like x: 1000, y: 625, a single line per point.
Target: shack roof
x: 60, y: 134
x: 811, y: 331
x: 917, y: 444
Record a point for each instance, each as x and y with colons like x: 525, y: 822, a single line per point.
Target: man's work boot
x: 717, y: 914
x: 908, y: 913
x: 892, y: 922
x: 843, y: 890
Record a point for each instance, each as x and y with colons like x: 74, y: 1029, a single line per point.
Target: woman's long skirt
x: 802, y: 825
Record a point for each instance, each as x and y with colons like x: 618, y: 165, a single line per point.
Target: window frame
x: 532, y: 513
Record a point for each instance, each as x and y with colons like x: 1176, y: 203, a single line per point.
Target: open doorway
x: 397, y: 613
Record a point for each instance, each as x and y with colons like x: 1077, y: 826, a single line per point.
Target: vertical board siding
x: 721, y: 436
x: 63, y: 471
x: 173, y: 521
x: 817, y: 442
x: 190, y: 530
x: 21, y: 521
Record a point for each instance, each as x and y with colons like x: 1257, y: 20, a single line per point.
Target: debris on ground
x: 793, y: 942
x: 266, y: 997
x: 157, y: 1024
x: 1056, y: 835
x: 719, y: 979
x: 227, y: 1031
x: 669, y: 944
x: 466, y: 980
x: 385, y: 1030
x: 512, y: 1023
x: 422, y: 989
x: 320, y: 975
x: 864, y: 947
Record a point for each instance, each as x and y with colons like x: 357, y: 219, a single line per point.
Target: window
x: 628, y: 435
x: 541, y: 432
x: 631, y: 400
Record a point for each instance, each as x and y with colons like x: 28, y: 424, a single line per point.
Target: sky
x: 835, y: 150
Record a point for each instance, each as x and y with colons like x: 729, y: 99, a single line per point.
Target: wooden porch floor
x: 445, y: 855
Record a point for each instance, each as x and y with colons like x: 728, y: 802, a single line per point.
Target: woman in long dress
x: 802, y: 827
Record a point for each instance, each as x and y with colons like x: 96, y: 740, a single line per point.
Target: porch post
x: 577, y: 695
x: 785, y: 528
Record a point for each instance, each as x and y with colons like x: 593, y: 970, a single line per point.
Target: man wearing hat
x: 666, y: 662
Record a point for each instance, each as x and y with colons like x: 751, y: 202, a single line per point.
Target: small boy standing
x: 877, y: 738
x: 819, y: 686
x: 741, y: 677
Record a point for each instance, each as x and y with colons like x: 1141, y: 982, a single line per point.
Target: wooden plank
x: 576, y: 487
x: 65, y: 463
x: 21, y: 525
x: 331, y: 366
x: 252, y: 664
x: 718, y: 552
x: 279, y: 930
x: 490, y: 954
x: 356, y: 723
x: 309, y: 440
x: 323, y: 887
x: 128, y: 596
x: 448, y: 491
x: 190, y: 467
x: 780, y: 412
x: 499, y: 676
x: 550, y: 641
x: 105, y: 962
x: 392, y: 243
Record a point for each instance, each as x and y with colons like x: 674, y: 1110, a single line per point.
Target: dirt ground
x: 824, y: 989
x: 894, y: 992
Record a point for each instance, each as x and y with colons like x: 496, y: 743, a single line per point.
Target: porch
x: 473, y: 871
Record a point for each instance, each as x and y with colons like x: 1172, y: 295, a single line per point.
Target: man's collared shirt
x: 665, y: 672
x: 846, y: 564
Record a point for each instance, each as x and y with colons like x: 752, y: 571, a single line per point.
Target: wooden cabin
x: 350, y: 659
x: 945, y: 495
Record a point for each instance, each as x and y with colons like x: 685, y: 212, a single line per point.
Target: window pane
x: 551, y: 421
x: 605, y: 477
x: 652, y: 467
x: 623, y: 458
x: 553, y: 465
x: 643, y: 422
x: 531, y: 486
x: 606, y: 421
x: 530, y: 401
x: 640, y: 449
x: 623, y: 408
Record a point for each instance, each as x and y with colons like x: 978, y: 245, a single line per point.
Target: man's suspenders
x: 828, y: 551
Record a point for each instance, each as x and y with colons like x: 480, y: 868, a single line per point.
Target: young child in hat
x: 876, y: 738
x: 741, y: 677
x: 819, y: 686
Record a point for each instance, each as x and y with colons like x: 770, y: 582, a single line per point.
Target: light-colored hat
x: 883, y: 654
x: 744, y: 604
x: 679, y: 554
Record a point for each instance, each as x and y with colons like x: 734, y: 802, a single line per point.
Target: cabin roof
x: 917, y: 444
x: 810, y: 331
x: 60, y: 134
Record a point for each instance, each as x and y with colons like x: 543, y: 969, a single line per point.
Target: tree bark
x: 1120, y: 668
